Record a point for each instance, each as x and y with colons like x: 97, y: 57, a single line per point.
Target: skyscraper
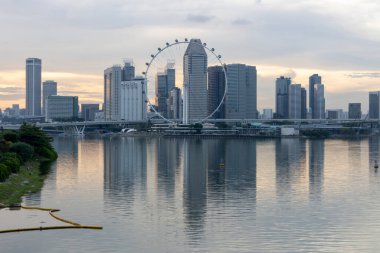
x: 33, y: 87
x: 295, y: 101
x: 174, y: 104
x: 319, y: 101
x: 49, y: 88
x: 195, y: 82
x: 374, y: 105
x: 112, y: 86
x: 241, y: 92
x: 165, y: 82
x: 314, y: 79
x: 133, y: 101
x: 128, y: 71
x: 282, y: 97
x: 354, y: 110
x: 216, y: 84
x: 303, y: 104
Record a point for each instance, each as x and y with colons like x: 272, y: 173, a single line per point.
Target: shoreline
x: 25, y: 181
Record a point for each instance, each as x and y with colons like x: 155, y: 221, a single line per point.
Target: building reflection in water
x: 290, y: 166
x: 374, y: 154
x: 125, y: 164
x: 316, y: 167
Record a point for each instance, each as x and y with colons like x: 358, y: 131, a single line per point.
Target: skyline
x: 297, y: 40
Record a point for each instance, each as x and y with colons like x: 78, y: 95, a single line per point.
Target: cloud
x: 364, y: 75
x: 199, y: 18
x: 10, y: 90
x: 241, y: 21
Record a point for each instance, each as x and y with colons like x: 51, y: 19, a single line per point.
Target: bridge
x: 80, y: 126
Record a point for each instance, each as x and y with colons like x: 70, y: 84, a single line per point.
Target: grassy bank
x: 28, y: 179
x: 25, y: 156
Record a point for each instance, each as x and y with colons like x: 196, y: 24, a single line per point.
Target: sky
x: 77, y: 40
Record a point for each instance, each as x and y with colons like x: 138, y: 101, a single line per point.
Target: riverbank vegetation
x: 23, y: 157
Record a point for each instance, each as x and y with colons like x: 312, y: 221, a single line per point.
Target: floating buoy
x: 376, y: 165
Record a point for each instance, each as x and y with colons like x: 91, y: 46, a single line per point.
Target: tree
x: 24, y: 150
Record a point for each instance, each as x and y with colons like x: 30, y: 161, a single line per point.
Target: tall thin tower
x: 33, y: 87
x: 195, y: 82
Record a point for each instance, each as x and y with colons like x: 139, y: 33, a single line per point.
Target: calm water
x: 171, y: 195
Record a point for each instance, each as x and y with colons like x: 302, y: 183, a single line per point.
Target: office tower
x: 334, y: 114
x: 319, y: 102
x: 89, y: 111
x: 267, y: 114
x: 133, y: 100
x: 251, y: 96
x: 216, y: 84
x: 354, y: 110
x: 241, y: 93
x: 62, y: 108
x: 295, y: 103
x: 49, y: 88
x: 165, y: 82
x: 128, y: 71
x: 33, y: 87
x: 195, y: 82
x: 174, y: 104
x: 282, y: 97
x: 374, y: 104
x: 112, y: 83
x: 303, y: 104
x: 314, y: 79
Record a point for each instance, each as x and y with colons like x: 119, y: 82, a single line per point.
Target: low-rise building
x: 62, y: 108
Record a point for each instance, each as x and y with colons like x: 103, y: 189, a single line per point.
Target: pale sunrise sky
x: 77, y: 40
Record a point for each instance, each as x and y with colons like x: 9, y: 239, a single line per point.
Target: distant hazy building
x: 295, y: 103
x: 282, y: 97
x: 319, y: 102
x: 133, y: 100
x: 88, y: 111
x: 267, y: 114
x: 16, y: 110
x: 62, y: 108
x: 165, y: 82
x: 314, y: 79
x: 241, y: 92
x: 128, y: 71
x: 216, y: 84
x: 195, y: 82
x: 303, y: 104
x: 49, y: 88
x: 354, y: 110
x: 334, y: 114
x: 174, y: 103
x: 112, y: 86
x: 374, y: 105
x: 33, y: 87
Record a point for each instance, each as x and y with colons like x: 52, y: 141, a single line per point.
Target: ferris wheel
x: 186, y: 82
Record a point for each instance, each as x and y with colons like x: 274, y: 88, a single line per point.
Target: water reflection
x: 316, y: 167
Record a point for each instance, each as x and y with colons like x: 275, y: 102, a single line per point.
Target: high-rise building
x: 165, y: 82
x: 62, y: 108
x: 195, y: 82
x: 374, y: 105
x: 128, y: 71
x: 88, y: 111
x: 295, y: 101
x: 314, y: 79
x: 319, y: 102
x: 303, y: 104
x: 175, y: 104
x: 354, y: 110
x: 216, y: 84
x: 334, y: 114
x: 267, y: 114
x: 133, y: 100
x: 33, y: 87
x: 49, y: 88
x: 282, y: 97
x: 241, y: 92
x: 112, y: 86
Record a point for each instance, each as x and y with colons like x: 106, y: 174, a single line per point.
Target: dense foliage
x: 18, y: 147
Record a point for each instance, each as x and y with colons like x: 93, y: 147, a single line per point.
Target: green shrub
x: 11, y: 136
x: 34, y: 136
x: 11, y: 160
x: 4, y: 172
x: 24, y: 150
x: 47, y: 153
x: 4, y: 146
